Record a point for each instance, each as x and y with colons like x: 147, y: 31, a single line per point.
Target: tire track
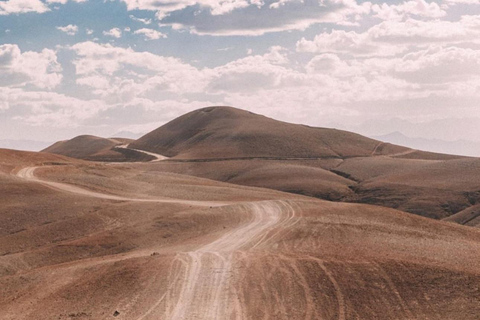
x: 204, y: 292
x: 28, y: 173
x: 336, y: 286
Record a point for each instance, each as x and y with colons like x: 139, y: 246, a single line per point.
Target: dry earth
x: 124, y: 241
x: 236, y: 146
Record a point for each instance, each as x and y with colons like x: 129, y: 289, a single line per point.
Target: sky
x: 125, y: 67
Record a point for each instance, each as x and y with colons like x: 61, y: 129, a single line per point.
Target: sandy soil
x: 74, y: 247
x: 28, y: 174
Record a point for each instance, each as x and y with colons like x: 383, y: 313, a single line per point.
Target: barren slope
x: 264, y: 255
x: 225, y: 132
x: 96, y: 149
x: 430, y: 188
x: 236, y: 146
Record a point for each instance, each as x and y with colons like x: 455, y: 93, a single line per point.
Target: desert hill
x: 232, y: 145
x: 226, y: 132
x: 143, y: 244
x: 94, y: 148
x: 236, y: 146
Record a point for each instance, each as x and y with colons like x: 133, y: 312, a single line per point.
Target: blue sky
x: 70, y: 67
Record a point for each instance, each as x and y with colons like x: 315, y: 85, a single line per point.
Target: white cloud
x: 89, y: 31
x: 22, y: 6
x: 142, y: 20
x: 40, y: 69
x: 390, y: 38
x: 408, y: 8
x: 49, y: 108
x: 122, y: 75
x: 339, y: 41
x: 252, y: 73
x: 71, y: 29
x: 441, y: 65
x: 150, y: 34
x: 65, y: 1
x: 131, y: 74
x: 454, y: 2
x: 250, y: 17
x: 114, y: 32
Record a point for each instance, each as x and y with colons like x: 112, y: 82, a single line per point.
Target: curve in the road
x: 28, y: 173
x: 205, y: 291
x: 158, y: 157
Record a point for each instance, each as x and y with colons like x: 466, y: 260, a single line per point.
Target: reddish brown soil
x: 224, y: 132
x: 96, y: 149
x: 263, y: 255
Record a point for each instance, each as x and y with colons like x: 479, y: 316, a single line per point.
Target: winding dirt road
x: 200, y: 281
x: 158, y: 157
x: 208, y: 292
x: 28, y: 173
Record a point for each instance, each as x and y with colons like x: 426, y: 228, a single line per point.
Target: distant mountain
x: 26, y: 145
x: 458, y: 147
x: 226, y: 132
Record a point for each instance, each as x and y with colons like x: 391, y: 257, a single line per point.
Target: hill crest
x: 227, y: 132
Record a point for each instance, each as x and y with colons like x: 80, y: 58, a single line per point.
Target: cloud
x: 114, y: 32
x: 40, y: 69
x: 150, y: 34
x: 49, y: 108
x: 144, y: 21
x: 65, y: 1
x: 339, y: 41
x: 250, y: 17
x: 455, y: 2
x: 408, y: 8
x: 252, y: 73
x: 438, y: 65
x: 22, y: 6
x: 71, y: 29
x: 390, y: 38
x: 119, y: 74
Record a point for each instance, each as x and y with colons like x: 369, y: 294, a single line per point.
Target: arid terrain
x: 224, y: 214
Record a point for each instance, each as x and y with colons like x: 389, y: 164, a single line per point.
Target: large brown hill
x: 226, y: 132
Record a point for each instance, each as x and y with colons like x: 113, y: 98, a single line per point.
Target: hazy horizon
x: 456, y: 147
x: 72, y: 67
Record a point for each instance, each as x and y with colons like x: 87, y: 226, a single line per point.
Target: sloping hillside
x: 152, y: 253
x: 236, y: 146
x: 225, y: 132
x: 94, y: 148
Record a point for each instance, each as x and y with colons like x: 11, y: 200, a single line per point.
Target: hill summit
x: 226, y: 132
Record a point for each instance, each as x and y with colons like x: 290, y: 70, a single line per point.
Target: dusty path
x: 207, y: 291
x: 200, y: 280
x: 158, y: 157
x: 28, y: 173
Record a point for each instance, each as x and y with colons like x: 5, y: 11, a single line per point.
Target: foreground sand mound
x: 130, y: 248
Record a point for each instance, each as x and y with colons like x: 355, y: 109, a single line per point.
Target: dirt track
x: 200, y: 289
x: 158, y: 157
x: 28, y: 173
